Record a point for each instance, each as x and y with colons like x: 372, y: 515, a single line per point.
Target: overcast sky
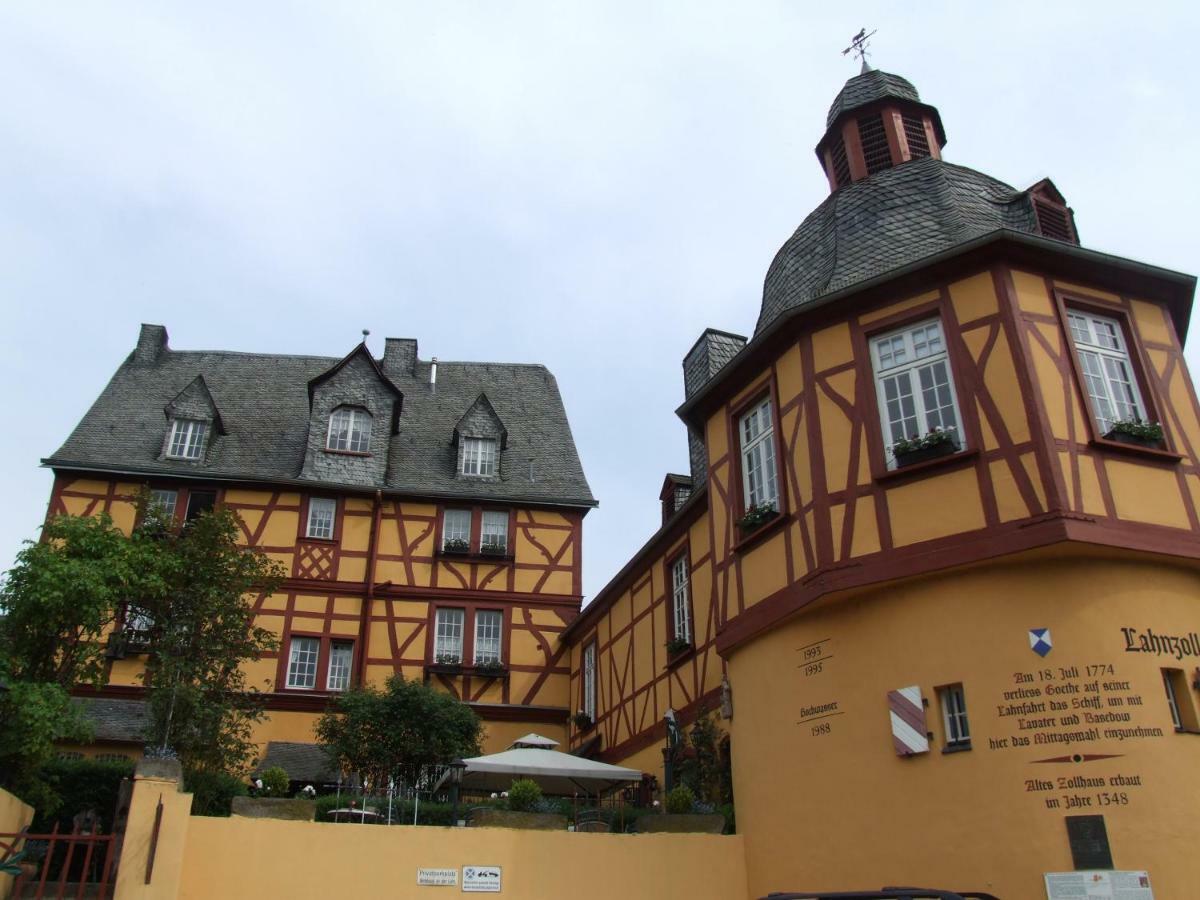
x: 585, y: 185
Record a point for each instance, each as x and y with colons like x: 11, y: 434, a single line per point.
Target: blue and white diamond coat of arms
x: 1040, y: 641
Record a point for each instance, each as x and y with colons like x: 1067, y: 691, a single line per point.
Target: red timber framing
x: 318, y: 600
x: 1029, y: 478
x: 632, y: 701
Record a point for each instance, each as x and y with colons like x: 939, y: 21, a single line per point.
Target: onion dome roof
x: 885, y: 222
x: 868, y: 87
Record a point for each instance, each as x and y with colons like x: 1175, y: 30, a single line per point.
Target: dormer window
x: 349, y: 430
x: 187, y: 439
x: 478, y: 456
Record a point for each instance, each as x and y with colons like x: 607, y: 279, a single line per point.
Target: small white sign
x: 437, y: 877
x: 481, y: 879
x: 1098, y: 885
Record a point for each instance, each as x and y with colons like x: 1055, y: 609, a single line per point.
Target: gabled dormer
x: 193, y: 420
x: 1054, y: 218
x: 480, y: 437
x: 354, y: 409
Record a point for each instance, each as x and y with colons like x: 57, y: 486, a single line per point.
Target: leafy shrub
x: 555, y: 806
x: 82, y: 784
x: 274, y: 782
x: 212, y: 792
x: 680, y: 800
x: 726, y: 809
x: 524, y: 795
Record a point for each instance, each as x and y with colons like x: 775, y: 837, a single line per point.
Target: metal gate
x: 60, y: 866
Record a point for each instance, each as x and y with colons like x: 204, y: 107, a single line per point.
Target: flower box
x: 923, y: 454
x: 491, y: 669
x: 678, y: 647
x: 757, y: 516
x: 582, y: 721
x: 1136, y: 433
x: 675, y: 823
x: 456, y: 548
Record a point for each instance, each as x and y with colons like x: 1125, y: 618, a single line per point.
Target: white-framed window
x: 302, y: 663
x: 954, y: 715
x: 914, y: 384
x: 489, y: 626
x: 448, y: 641
x: 456, y: 529
x: 478, y: 456
x: 759, y: 482
x: 187, y: 439
x: 164, y: 502
x: 493, y: 532
x: 349, y: 429
x: 341, y: 653
x: 1172, y: 700
x: 1107, y: 372
x: 589, y: 681
x: 681, y: 608
x: 138, y: 621
x: 321, y: 511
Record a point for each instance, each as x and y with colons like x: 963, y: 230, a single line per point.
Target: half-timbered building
x: 428, y: 516
x: 937, y: 558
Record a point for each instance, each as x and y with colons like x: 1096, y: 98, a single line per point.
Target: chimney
x: 400, y: 356
x: 152, y: 343
x: 433, y: 372
x: 707, y: 357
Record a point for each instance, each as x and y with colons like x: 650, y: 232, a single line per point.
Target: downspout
x: 368, y: 596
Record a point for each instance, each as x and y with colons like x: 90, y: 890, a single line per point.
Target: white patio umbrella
x: 555, y: 773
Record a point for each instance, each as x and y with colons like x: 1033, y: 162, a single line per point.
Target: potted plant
x: 456, y: 547
x: 489, y: 667
x: 582, y: 720
x: 270, y: 799
x: 677, y: 645
x: 1136, y: 432
x: 492, y: 550
x: 938, y: 442
x: 756, y: 516
x: 683, y: 813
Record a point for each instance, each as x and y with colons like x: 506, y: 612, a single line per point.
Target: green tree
x: 398, y: 731
x: 200, y: 627
x: 32, y: 717
x: 61, y: 597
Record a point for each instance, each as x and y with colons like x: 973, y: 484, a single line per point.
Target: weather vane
x: 858, y: 46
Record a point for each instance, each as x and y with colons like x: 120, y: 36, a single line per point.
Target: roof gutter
x: 1181, y: 285
x: 368, y: 490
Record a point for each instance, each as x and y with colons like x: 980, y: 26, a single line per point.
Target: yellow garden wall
x: 14, y: 815
x: 261, y: 858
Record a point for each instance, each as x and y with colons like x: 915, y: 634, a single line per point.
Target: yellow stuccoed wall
x: 14, y: 815
x: 260, y: 858
x: 841, y: 810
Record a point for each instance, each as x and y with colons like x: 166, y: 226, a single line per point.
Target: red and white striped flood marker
x: 908, y: 721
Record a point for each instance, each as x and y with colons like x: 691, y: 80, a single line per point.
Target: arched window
x: 349, y: 429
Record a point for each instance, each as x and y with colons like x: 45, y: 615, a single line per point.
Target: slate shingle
x: 264, y: 405
x: 884, y: 222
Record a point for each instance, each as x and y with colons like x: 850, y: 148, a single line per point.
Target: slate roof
x: 302, y: 762
x: 115, y: 720
x: 868, y: 87
x: 264, y: 405
x: 884, y: 222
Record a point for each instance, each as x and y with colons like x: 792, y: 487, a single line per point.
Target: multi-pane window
x: 589, y: 681
x: 1107, y: 372
x: 448, y: 643
x: 320, y: 518
x: 478, y: 456
x: 954, y: 716
x: 489, y: 625
x: 759, y: 485
x: 349, y: 429
x: 199, y: 502
x: 302, y: 663
x: 493, y: 534
x: 456, y: 529
x: 340, y: 655
x: 187, y: 439
x: 914, y: 383
x: 164, y: 502
x: 681, y: 608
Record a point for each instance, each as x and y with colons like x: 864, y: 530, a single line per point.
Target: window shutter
x: 876, y: 153
x: 907, y: 710
x: 1055, y: 221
